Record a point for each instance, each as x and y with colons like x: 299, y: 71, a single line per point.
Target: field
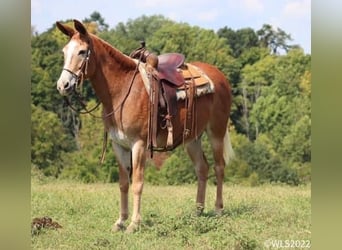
x: 254, y: 217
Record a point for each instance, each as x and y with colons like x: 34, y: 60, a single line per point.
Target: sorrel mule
x: 125, y: 101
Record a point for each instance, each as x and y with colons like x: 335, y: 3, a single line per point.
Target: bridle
x: 79, y: 78
x: 83, y: 69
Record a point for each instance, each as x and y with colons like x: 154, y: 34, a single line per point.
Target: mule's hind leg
x: 197, y: 156
x: 124, y: 158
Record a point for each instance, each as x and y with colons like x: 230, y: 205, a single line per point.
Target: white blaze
x: 67, y: 77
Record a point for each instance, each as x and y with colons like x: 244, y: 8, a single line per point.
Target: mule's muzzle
x: 65, y: 88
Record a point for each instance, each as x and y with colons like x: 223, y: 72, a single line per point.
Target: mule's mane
x: 117, y: 55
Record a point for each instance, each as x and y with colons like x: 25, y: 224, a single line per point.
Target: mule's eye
x: 81, y: 52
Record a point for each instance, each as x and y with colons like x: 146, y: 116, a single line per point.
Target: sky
x: 292, y: 16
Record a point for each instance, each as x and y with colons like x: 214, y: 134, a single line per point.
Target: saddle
x: 168, y: 78
x: 168, y: 65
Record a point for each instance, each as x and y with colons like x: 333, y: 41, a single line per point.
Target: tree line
x: 270, y: 117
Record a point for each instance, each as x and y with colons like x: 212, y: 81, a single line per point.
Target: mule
x: 120, y: 88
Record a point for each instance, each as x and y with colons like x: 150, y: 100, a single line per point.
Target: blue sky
x: 293, y: 16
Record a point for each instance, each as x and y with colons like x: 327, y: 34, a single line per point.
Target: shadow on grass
x: 186, y: 218
x: 234, y: 211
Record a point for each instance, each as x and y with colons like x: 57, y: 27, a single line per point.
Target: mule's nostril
x: 66, y: 85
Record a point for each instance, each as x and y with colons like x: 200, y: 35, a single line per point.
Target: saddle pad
x: 190, y: 71
x: 193, y: 73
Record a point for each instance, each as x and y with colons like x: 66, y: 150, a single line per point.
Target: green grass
x: 252, y: 215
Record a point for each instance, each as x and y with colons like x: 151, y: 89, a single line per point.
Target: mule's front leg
x: 138, y: 160
x: 124, y: 186
x: 197, y: 156
x: 124, y: 158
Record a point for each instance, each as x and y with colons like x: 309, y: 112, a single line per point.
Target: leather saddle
x: 168, y: 65
x: 165, y: 77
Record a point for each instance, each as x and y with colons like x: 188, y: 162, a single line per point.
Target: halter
x: 83, y: 69
x: 79, y: 77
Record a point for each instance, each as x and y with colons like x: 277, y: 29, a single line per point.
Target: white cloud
x: 36, y: 6
x: 253, y: 5
x: 298, y: 9
x: 165, y: 3
x: 209, y: 15
x: 250, y: 6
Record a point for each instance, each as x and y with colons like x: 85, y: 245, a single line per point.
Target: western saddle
x: 166, y: 74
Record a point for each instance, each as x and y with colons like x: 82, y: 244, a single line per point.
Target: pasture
x: 252, y: 216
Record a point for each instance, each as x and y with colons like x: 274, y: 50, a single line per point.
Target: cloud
x: 253, y: 5
x: 164, y: 3
x: 250, y: 6
x: 208, y: 15
x: 298, y: 9
x: 36, y: 6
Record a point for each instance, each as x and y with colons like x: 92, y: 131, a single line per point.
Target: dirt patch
x: 43, y: 223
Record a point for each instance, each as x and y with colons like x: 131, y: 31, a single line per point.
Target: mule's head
x: 77, y: 54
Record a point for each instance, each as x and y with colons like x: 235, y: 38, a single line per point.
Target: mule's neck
x: 108, y: 53
x: 113, y: 73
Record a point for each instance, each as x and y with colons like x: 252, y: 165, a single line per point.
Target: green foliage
x: 239, y: 40
x: 253, y: 179
x: 48, y: 141
x: 195, y: 43
x: 126, y: 36
x: 176, y: 170
x: 258, y: 162
x: 98, y: 19
x: 296, y: 146
x: 84, y: 163
x: 274, y: 39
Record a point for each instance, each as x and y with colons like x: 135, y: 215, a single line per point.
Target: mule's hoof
x: 199, y: 209
x: 118, y: 227
x: 219, y: 211
x: 133, y: 227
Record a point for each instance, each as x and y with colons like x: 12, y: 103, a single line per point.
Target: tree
x: 127, y: 36
x: 195, y: 43
x: 255, y: 78
x: 239, y: 40
x: 296, y: 146
x: 49, y: 141
x: 274, y: 39
x: 96, y: 17
x: 84, y: 163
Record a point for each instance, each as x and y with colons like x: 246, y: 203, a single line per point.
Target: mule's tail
x: 228, y: 152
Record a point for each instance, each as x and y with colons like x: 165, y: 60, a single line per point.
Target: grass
x: 252, y: 215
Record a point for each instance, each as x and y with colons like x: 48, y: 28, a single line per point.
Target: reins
x: 79, y: 79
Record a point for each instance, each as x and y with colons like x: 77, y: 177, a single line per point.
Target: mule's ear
x: 65, y: 29
x: 80, y: 27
